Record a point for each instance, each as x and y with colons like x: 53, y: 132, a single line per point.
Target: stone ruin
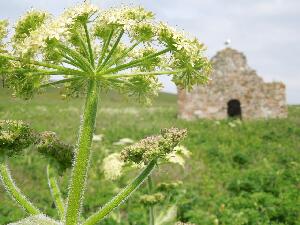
x: 235, y: 90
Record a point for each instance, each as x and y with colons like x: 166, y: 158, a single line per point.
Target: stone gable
x: 233, y: 85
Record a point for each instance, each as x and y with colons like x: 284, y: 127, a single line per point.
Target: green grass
x: 239, y: 173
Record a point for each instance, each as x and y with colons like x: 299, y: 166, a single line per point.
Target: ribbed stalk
x: 122, y: 196
x: 15, y: 192
x: 81, y: 163
x: 151, y: 207
x: 55, y: 192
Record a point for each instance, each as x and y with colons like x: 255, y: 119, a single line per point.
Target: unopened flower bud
x: 153, y: 147
x: 154, y: 199
x: 165, y: 187
x: 49, y: 145
x: 14, y: 137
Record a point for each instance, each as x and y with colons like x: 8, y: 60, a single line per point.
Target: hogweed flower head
x: 3, y: 33
x: 153, y: 199
x: 61, y: 154
x: 167, y: 187
x: 153, y: 147
x: 94, y: 49
x: 112, y: 166
x: 123, y: 48
x: 14, y: 137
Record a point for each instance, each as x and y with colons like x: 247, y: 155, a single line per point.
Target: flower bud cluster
x: 57, y: 29
x: 112, y: 166
x: 186, y: 53
x: 153, y: 147
x: 125, y: 17
x: 29, y: 22
x: 14, y: 137
x: 154, y: 199
x: 61, y: 154
x: 143, y: 87
x: 166, y: 187
x: 3, y: 32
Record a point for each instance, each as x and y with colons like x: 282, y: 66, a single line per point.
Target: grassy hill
x: 239, y: 173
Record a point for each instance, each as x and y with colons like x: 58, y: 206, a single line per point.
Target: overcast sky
x: 267, y: 31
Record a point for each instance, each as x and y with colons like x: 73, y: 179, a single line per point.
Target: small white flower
x: 175, y: 158
x: 179, y: 155
x: 112, y: 166
x: 54, y: 28
x: 124, y: 141
x: 98, y: 137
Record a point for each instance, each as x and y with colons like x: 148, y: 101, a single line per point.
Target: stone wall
x: 231, y: 79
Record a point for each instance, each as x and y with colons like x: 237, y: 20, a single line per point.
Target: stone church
x: 235, y: 90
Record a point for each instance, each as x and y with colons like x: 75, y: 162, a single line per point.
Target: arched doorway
x: 234, y: 109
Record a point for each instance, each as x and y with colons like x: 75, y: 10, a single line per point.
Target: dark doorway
x: 234, y: 109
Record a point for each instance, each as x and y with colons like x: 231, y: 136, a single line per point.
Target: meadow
x: 240, y: 173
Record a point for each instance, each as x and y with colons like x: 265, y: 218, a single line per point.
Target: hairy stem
x: 84, y: 47
x: 104, y: 48
x: 42, y: 64
x: 135, y: 62
x: 157, y: 73
x: 61, y: 81
x: 15, y: 192
x: 89, y: 44
x: 122, y: 196
x: 55, y: 192
x: 151, y: 207
x: 113, y: 49
x: 81, y: 163
x: 85, y: 64
x: 124, y: 54
x: 69, y: 60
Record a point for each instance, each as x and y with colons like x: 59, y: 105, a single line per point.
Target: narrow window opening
x: 234, y: 109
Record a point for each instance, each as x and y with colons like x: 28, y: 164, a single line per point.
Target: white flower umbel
x: 54, y: 28
x: 112, y: 166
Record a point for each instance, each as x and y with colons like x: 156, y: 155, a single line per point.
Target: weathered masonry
x: 235, y: 90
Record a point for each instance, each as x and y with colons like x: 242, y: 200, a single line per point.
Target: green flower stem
x: 69, y: 60
x: 81, y: 163
x: 15, y: 192
x: 104, y: 49
x: 113, y: 49
x: 151, y: 207
x: 124, y: 54
x: 89, y: 45
x: 47, y: 73
x: 122, y: 196
x: 55, y: 192
x: 134, y: 62
x: 44, y: 72
x: 43, y: 64
x: 85, y: 64
x: 61, y: 81
x: 143, y: 74
x: 83, y: 45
